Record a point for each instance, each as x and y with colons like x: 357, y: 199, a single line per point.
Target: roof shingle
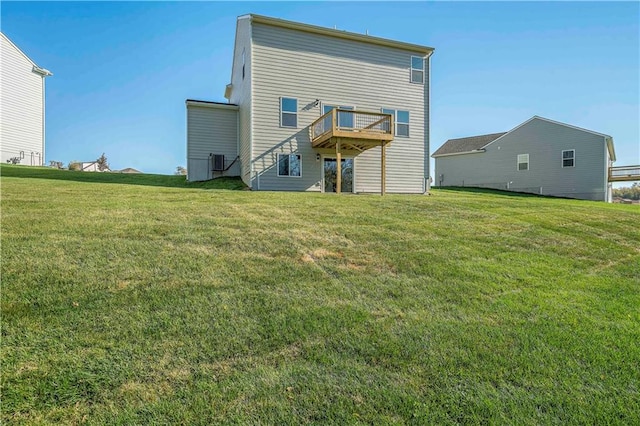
x: 473, y: 143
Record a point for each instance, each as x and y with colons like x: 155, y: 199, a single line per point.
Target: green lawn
x: 145, y: 299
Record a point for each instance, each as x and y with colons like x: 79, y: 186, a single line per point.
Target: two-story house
x: 316, y: 109
x: 22, y: 113
x: 539, y: 156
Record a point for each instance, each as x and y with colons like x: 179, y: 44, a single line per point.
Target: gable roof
x: 365, y: 38
x: 473, y: 143
x: 466, y: 145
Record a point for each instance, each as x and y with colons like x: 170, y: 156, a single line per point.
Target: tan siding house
x: 22, y: 111
x: 290, y: 80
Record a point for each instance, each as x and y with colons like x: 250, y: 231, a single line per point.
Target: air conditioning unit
x: 218, y: 162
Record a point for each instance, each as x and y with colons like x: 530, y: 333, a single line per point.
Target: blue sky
x: 122, y: 71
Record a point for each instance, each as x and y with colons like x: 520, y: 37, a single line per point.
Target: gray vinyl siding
x: 297, y: 64
x: 211, y: 130
x: 241, y: 96
x: 544, y: 141
x: 21, y: 107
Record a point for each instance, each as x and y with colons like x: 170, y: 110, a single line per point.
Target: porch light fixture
x: 317, y: 157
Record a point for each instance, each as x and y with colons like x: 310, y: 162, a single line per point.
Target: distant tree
x: 102, y: 163
x: 74, y: 165
x: 56, y: 164
x: 181, y: 171
x: 14, y: 160
x: 630, y: 192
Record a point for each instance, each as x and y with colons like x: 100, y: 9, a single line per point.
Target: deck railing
x: 624, y: 173
x: 361, y: 122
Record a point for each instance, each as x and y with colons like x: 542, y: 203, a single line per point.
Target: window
x: 523, y: 161
x: 569, y: 158
x: 288, y: 112
x: 289, y: 165
x: 417, y: 69
x: 401, y: 118
x: 243, y: 62
x: 345, y: 119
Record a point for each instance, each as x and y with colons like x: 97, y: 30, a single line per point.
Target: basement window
x: 289, y: 165
x: 523, y: 162
x: 569, y: 158
x: 288, y: 112
x: 417, y: 69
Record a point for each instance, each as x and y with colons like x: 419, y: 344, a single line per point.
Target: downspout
x: 426, y: 184
x: 43, y: 74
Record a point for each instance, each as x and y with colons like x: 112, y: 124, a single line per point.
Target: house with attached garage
x: 539, y: 156
x: 22, y: 114
x: 316, y: 109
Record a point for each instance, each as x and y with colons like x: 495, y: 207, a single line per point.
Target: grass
x: 195, y: 304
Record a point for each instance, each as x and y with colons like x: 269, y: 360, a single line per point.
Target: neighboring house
x: 129, y: 170
x: 22, y: 115
x: 92, y: 166
x: 316, y: 109
x: 539, y: 156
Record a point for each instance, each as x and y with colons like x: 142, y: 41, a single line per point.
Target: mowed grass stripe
x: 147, y: 299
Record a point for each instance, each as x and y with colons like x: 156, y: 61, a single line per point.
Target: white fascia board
x: 36, y: 69
x: 537, y: 117
x: 611, y: 148
x: 475, y: 151
x: 204, y: 104
x: 570, y: 126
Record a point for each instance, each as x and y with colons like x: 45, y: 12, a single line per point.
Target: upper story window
x: 523, y: 161
x: 569, y: 158
x: 288, y: 112
x: 417, y: 69
x: 243, y: 62
x: 401, y: 119
x: 289, y: 165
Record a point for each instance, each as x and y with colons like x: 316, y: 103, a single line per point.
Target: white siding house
x: 22, y: 113
x: 539, y: 156
x: 287, y: 75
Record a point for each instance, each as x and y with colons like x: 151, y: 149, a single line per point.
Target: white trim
x: 288, y: 112
x: 572, y: 158
x: 38, y: 70
x: 610, y: 148
x: 475, y: 151
x: 549, y: 121
x: 411, y: 69
x: 288, y: 155
x: 351, y: 157
x: 205, y: 104
x: 518, y: 162
x: 395, y: 120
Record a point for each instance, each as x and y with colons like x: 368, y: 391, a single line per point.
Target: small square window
x: 523, y: 162
x: 288, y: 112
x: 289, y: 165
x: 417, y: 69
x: 569, y: 158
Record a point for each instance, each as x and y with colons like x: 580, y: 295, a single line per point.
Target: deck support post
x: 338, y: 168
x: 383, y: 168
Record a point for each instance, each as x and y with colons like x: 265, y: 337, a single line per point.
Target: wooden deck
x: 343, y: 129
x: 624, y: 174
x: 359, y: 130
